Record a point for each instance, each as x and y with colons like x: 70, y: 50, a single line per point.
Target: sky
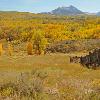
x: 36, y: 6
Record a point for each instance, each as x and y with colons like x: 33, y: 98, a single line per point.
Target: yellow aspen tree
x: 39, y: 42
x: 29, y: 48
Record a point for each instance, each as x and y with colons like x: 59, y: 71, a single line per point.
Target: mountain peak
x: 71, y: 6
x: 98, y: 14
x: 71, y: 10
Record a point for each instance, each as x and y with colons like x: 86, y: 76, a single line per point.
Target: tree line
x: 45, y: 29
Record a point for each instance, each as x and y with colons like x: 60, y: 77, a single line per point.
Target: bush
x: 26, y: 86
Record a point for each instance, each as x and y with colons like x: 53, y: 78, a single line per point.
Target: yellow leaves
x: 39, y: 41
x: 96, y: 82
x: 7, y: 91
x: 55, y: 28
x: 29, y: 48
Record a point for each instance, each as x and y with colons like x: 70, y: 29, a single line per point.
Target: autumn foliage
x: 44, y: 29
x: 22, y: 26
x: 29, y: 48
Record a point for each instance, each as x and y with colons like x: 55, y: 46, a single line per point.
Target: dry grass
x: 1, y: 49
x: 10, y: 49
x: 62, y: 80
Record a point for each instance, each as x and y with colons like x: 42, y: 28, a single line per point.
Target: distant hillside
x: 98, y: 14
x: 68, y: 46
x: 71, y: 10
x: 23, y: 25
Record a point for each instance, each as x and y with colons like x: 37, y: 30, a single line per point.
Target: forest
x: 23, y: 26
x: 44, y: 29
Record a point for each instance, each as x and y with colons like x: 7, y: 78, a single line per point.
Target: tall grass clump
x: 10, y: 49
x: 1, y: 49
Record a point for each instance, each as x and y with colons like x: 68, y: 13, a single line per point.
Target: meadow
x: 28, y: 73
x: 46, y: 77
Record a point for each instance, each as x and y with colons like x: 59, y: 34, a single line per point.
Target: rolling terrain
x: 35, y: 50
x: 52, y: 76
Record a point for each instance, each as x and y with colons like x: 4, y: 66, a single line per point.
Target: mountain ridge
x: 98, y: 14
x: 70, y: 10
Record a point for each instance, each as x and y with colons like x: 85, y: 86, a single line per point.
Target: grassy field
x: 50, y: 76
x: 61, y: 79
